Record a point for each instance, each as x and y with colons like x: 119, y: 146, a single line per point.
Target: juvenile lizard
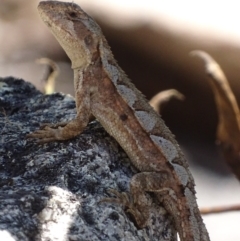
x: 103, y: 90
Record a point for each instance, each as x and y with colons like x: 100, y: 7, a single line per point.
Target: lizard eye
x: 72, y: 14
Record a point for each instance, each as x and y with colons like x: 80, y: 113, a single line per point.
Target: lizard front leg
x: 68, y: 130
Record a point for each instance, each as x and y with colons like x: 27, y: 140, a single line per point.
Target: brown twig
x: 53, y: 72
x: 7, y: 121
x: 212, y: 210
x: 164, y: 96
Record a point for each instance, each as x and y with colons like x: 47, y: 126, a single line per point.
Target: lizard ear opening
x: 72, y: 15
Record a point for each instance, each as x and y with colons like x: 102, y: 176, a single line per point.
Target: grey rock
x: 52, y: 191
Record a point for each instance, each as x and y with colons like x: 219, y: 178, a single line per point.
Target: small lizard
x: 103, y: 90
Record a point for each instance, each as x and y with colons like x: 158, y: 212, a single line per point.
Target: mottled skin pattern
x: 103, y: 90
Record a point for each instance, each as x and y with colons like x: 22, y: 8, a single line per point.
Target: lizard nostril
x: 48, y: 24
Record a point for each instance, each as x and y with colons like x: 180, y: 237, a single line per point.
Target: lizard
x: 103, y: 90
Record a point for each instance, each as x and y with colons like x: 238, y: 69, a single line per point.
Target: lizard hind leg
x: 125, y: 199
x: 141, y: 183
x: 137, y: 202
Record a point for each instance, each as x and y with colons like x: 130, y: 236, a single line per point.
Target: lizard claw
x: 125, y: 199
x: 54, y: 126
x: 121, y: 198
x: 47, y: 134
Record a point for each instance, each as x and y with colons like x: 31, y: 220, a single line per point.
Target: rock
x: 52, y: 191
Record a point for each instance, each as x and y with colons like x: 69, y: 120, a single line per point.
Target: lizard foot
x: 45, y: 134
x: 54, y: 126
x: 125, y: 199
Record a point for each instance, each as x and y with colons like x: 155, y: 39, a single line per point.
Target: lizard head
x: 77, y: 32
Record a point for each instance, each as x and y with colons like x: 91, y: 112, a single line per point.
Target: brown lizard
x: 103, y: 90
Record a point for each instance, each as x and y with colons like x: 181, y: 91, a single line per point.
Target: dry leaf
x: 228, y: 130
x: 162, y: 97
x: 53, y: 72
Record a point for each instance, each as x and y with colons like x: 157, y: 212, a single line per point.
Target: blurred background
x: 151, y: 41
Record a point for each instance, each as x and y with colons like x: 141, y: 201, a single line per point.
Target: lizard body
x: 103, y: 90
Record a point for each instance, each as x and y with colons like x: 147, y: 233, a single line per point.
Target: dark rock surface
x: 52, y: 191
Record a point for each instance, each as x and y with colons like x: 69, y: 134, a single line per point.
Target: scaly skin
x: 103, y: 90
